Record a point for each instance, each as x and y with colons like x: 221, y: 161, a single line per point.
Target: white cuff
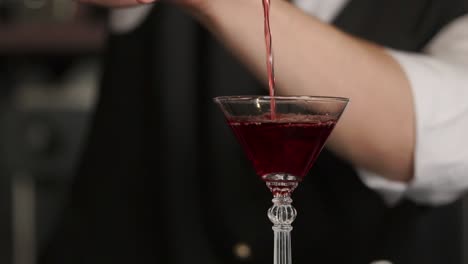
x: 391, y: 191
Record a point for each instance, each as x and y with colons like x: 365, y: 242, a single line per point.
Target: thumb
x: 146, y: 1
x: 116, y: 3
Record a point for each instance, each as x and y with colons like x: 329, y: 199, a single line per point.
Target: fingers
x: 116, y: 3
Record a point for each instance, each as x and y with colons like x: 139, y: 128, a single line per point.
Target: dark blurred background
x: 49, y: 72
x: 49, y: 75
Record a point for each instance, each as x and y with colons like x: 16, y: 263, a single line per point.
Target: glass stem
x: 282, y: 214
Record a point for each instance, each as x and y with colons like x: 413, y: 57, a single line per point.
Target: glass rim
x: 281, y: 98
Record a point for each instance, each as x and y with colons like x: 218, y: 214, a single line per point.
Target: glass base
x: 281, y: 184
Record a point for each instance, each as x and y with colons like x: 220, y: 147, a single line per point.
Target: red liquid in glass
x: 289, y: 144
x: 269, y: 55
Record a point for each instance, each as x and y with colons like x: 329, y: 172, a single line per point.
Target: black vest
x: 202, y: 197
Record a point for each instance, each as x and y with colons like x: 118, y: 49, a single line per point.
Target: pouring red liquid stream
x: 269, y: 56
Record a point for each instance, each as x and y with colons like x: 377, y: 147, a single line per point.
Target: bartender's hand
x: 123, y: 3
x: 116, y: 3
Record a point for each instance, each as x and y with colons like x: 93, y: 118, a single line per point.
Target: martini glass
x: 282, y: 143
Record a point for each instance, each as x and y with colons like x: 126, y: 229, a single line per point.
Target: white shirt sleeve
x: 439, y: 82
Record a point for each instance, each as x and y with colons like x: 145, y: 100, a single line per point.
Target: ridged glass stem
x: 282, y: 214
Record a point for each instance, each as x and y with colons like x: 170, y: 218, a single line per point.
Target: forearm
x: 312, y: 58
